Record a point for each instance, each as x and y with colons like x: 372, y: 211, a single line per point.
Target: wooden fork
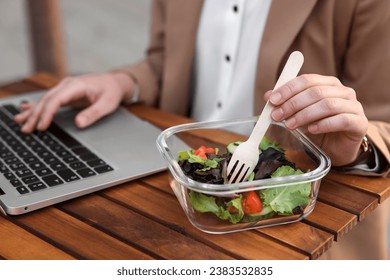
x: 246, y: 155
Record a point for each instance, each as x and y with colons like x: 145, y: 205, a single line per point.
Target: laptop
x: 65, y: 162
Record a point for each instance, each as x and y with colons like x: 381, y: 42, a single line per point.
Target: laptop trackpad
x: 120, y: 138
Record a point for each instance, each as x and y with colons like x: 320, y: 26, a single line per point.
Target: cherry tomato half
x: 202, y: 150
x: 251, y: 203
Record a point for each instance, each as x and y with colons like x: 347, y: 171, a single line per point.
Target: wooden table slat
x: 159, y: 181
x: 304, y: 237
x: 18, y: 88
x: 347, y: 198
x: 76, y: 236
x: 17, y: 243
x: 136, y: 229
x: 331, y: 219
x: 4, y: 93
x: 41, y: 80
x: 378, y: 186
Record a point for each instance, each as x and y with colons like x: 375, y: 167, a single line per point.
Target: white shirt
x: 226, y: 52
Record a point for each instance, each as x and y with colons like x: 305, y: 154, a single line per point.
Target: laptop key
x: 9, y: 176
x: 3, y: 169
x: 13, y: 143
x: 11, y: 160
x: 24, y: 154
x: 38, y: 148
x: 68, y: 175
x: 30, y: 159
x: 27, y: 138
x: 46, y: 138
x: 85, y: 172
x: 66, y: 139
x: 57, y: 166
x: 44, y: 154
x: 77, y: 165
x: 43, y: 172
x: 30, y: 179
x: 88, y: 156
x: 52, y: 180
x: 37, y: 165
x: 96, y: 162
x: 23, y: 172
x: 80, y: 150
x: 51, y: 160
x: 63, y: 153
x: 70, y: 159
x: 18, y: 148
x: 22, y: 190
x: 36, y: 186
x: 5, y: 154
x: 15, y: 182
x: 57, y: 148
x: 17, y: 166
x: 103, y: 169
x: 13, y: 110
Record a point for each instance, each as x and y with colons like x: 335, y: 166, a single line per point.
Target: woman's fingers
x: 354, y: 123
x: 102, y: 107
x: 324, y: 108
x: 54, y: 102
x: 311, y: 96
x: 300, y: 84
x: 42, y: 113
x: 22, y: 116
x: 104, y: 91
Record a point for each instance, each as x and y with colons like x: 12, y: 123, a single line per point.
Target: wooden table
x: 142, y: 219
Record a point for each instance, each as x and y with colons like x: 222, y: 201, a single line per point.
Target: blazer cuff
x: 373, y: 163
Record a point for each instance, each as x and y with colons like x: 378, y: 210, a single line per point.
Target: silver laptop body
x: 121, y: 140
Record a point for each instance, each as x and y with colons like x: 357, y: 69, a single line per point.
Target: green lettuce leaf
x: 265, y: 143
x: 284, y: 199
x: 192, y: 158
x: 204, y: 204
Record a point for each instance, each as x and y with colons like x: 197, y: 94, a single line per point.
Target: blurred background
x: 97, y: 35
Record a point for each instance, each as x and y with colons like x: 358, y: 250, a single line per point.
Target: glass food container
x: 297, y: 147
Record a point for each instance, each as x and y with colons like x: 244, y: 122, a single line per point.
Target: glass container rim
x: 316, y: 174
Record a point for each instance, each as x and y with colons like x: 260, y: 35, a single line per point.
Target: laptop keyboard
x: 41, y: 160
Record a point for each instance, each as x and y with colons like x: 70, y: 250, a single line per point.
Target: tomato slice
x: 251, y: 203
x: 202, y: 150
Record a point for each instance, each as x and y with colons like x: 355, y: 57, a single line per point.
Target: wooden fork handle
x: 290, y: 71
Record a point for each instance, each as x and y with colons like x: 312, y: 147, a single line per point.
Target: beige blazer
x: 348, y: 39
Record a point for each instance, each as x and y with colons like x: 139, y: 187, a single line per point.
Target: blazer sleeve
x: 367, y: 69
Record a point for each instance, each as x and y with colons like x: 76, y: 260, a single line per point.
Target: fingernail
x: 82, y: 121
x: 277, y: 114
x: 313, y: 128
x: 40, y: 126
x: 291, y: 122
x: 24, y: 129
x: 275, y: 97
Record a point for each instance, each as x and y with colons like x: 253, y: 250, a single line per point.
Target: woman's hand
x: 101, y: 94
x: 326, y: 110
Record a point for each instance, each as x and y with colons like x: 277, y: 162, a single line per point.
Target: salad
x: 208, y: 165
